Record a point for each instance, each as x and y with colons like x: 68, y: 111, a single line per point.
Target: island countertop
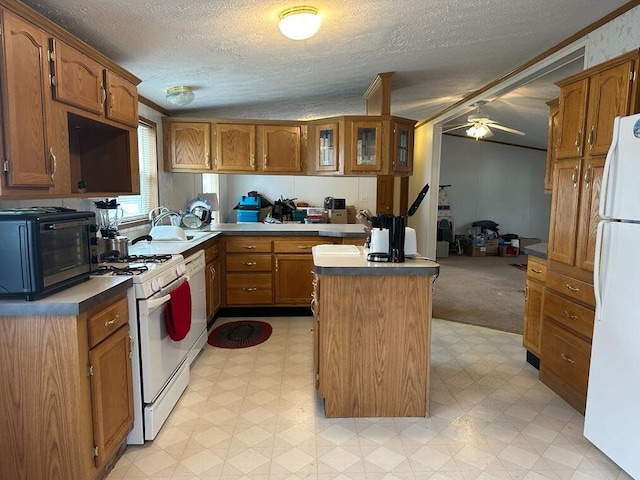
x: 352, y: 260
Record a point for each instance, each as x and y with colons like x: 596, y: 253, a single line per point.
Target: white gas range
x: 160, y: 364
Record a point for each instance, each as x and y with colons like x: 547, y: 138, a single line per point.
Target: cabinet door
x: 26, y: 99
x: 573, y: 104
x: 235, y: 148
x: 190, y: 146
x: 533, y: 301
x: 325, y: 147
x: 293, y: 279
x: 122, y: 99
x: 564, y: 211
x: 111, y: 393
x: 78, y: 79
x: 315, y: 309
x: 552, y: 142
x: 212, y: 281
x: 609, y: 97
x: 366, y: 146
x: 281, y: 149
x: 402, y: 148
x: 589, y: 218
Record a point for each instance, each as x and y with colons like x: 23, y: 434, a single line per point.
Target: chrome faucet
x: 158, y: 215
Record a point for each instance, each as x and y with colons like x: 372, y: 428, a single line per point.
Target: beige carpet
x: 484, y: 291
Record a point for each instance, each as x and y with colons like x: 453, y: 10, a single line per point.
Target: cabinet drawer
x: 569, y: 314
x: 211, y: 252
x: 299, y: 244
x: 248, y: 263
x: 248, y: 289
x: 107, y: 321
x: 248, y: 244
x: 566, y: 355
x: 575, y: 289
x: 536, y: 269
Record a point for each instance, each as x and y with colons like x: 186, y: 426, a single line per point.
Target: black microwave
x: 45, y: 249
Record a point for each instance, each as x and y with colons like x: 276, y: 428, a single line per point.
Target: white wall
x: 358, y: 191
x: 491, y: 181
x: 620, y: 35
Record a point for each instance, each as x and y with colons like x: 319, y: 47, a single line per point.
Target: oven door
x: 160, y: 356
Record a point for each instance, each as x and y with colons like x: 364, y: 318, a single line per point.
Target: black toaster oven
x: 45, y: 249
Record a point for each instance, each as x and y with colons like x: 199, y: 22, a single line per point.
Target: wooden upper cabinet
x: 564, y: 211
x: 187, y: 146
x: 365, y: 146
x: 552, y: 141
x: 31, y: 160
x: 235, y: 148
x: 609, y: 97
x: 573, y: 103
x: 77, y: 79
x: 402, y: 149
x: 122, y: 99
x: 324, y: 149
x: 280, y: 148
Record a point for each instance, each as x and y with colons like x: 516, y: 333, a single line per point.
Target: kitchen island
x: 372, y: 333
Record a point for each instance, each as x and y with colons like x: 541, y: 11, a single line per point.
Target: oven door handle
x: 156, y: 302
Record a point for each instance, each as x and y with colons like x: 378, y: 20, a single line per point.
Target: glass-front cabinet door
x: 326, y: 147
x: 402, y: 147
x: 366, y: 147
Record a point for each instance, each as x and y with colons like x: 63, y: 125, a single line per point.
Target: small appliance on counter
x: 391, y: 240
x: 248, y: 208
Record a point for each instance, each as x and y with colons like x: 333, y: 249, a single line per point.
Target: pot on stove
x: 116, y: 243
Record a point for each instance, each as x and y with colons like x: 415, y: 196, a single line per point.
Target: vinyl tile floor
x: 254, y: 414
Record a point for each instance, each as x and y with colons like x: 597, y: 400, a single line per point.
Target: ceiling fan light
x: 180, y: 96
x: 478, y: 131
x: 299, y: 23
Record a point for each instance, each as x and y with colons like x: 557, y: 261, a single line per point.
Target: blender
x: 109, y: 216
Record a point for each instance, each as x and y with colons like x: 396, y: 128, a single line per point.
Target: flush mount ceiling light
x: 181, y: 95
x: 299, y: 23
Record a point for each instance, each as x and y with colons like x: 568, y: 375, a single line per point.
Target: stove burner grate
x: 112, y: 270
x: 138, y: 259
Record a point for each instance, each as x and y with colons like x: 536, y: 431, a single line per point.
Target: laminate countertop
x: 70, y: 301
x: 537, y: 250
x: 352, y: 260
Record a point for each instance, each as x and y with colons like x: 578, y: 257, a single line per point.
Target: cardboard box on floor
x: 492, y: 247
x: 508, y: 251
x: 474, y: 251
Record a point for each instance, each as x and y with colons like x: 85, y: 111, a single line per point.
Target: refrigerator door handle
x: 604, y: 190
x: 596, y: 270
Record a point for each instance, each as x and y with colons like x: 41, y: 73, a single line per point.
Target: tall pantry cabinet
x: 589, y: 101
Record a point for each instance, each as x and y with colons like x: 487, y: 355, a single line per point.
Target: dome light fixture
x: 299, y: 23
x: 181, y: 95
x: 478, y: 131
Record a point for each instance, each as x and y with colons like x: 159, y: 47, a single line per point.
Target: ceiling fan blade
x: 506, y: 129
x: 456, y: 127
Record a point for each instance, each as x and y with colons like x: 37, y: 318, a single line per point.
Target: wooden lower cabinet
x: 213, y: 279
x: 533, y: 304
x: 293, y: 277
x: 249, y: 289
x: 65, y: 393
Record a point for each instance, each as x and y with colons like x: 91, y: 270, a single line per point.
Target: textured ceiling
x: 233, y: 54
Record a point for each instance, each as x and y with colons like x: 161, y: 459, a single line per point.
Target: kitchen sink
x: 169, y: 233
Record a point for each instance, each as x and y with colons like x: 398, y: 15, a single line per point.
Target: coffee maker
x: 389, y: 234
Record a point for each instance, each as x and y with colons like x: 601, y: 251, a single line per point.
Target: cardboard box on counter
x: 351, y: 214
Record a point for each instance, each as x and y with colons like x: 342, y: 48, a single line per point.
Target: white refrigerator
x: 612, y: 417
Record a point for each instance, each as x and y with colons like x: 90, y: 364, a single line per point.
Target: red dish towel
x: 177, y: 315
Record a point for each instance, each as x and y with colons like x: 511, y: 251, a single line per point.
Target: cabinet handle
x: 103, y: 94
x: 208, y: 160
x: 578, y: 140
x: 276, y: 264
x: 535, y: 270
x: 111, y: 101
x: 249, y: 289
x: 526, y: 292
x: 587, y: 177
x: 249, y: 247
x: 112, y: 321
x: 253, y: 161
x: 573, y: 289
x: 213, y: 272
x: 130, y: 346
x: 566, y: 358
x: 54, y: 163
x: 304, y: 247
x: 591, y: 137
x: 313, y: 306
x: 249, y: 264
x: 570, y: 315
x: 264, y: 161
x: 574, y: 176
x: 215, y: 162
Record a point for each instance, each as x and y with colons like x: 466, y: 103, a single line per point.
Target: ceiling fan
x: 479, y: 124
